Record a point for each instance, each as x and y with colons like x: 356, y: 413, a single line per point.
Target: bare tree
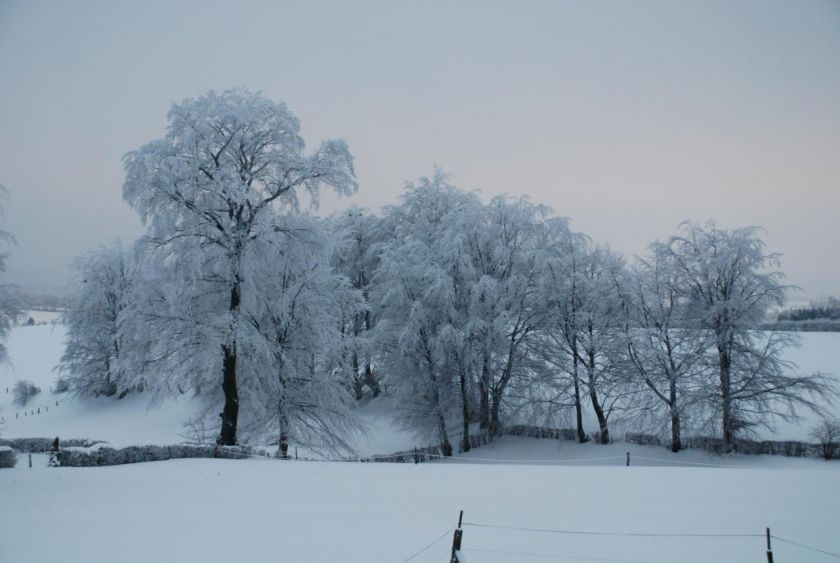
x: 665, y: 348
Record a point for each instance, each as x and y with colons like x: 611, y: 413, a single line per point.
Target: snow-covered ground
x: 40, y: 316
x: 265, y: 510
x: 35, y: 351
x: 257, y: 509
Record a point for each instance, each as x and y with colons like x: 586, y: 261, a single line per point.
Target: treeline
x: 816, y: 317
x: 470, y: 313
x: 828, y: 311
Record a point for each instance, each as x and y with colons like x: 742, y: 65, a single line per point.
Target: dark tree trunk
x: 727, y: 422
x: 445, y: 446
x: 484, y: 397
x: 495, y: 422
x: 676, y: 440
x: 358, y: 384
x: 230, y: 413
x: 596, y: 404
x: 581, y: 435
x: 465, y: 410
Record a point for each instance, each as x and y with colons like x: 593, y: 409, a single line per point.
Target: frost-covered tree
x: 665, y: 347
x: 295, y: 357
x: 584, y: 288
x: 9, y: 308
x: 732, y: 283
x: 357, y: 232
x: 92, y: 363
x: 422, y: 282
x: 505, y: 248
x: 209, y: 193
x: 559, y: 344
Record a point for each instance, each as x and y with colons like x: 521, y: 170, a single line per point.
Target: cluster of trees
x: 830, y: 309
x: 9, y: 303
x: 821, y: 316
x: 470, y: 314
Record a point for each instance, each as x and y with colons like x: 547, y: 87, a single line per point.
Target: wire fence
x: 707, y: 537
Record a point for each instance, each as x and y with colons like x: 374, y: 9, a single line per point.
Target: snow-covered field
x: 271, y: 510
x: 257, y: 509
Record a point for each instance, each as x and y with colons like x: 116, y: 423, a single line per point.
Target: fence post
x: 416, y: 457
x: 30, y: 461
x: 769, y: 549
x: 456, y: 541
x: 628, y: 459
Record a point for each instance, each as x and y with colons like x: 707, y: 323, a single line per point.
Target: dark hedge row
x: 138, y: 454
x: 43, y: 445
x: 789, y: 448
x: 8, y: 458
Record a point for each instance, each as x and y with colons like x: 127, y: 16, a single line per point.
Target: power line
x: 553, y: 556
x: 602, y: 533
x: 805, y: 546
x: 694, y: 462
x: 443, y: 535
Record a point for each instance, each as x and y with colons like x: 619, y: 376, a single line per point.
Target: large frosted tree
x: 422, y: 282
x: 209, y: 193
x: 732, y: 283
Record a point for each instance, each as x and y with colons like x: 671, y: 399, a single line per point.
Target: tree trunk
x: 727, y: 422
x: 596, y: 404
x: 484, y: 397
x: 358, y: 384
x: 676, y: 440
x: 465, y: 410
x: 445, y: 446
x: 230, y: 413
x: 581, y: 435
x: 495, y: 423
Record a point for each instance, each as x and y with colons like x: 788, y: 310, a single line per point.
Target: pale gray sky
x: 628, y: 117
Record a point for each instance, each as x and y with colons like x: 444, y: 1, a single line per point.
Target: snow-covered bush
x: 8, y: 457
x: 827, y: 434
x: 23, y: 391
x: 62, y: 385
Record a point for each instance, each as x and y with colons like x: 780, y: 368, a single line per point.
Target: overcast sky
x: 628, y: 117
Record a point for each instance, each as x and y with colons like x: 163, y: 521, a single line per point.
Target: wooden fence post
x: 769, y: 549
x: 628, y: 459
x: 456, y: 541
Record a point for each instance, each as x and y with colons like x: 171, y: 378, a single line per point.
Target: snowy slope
x: 36, y: 350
